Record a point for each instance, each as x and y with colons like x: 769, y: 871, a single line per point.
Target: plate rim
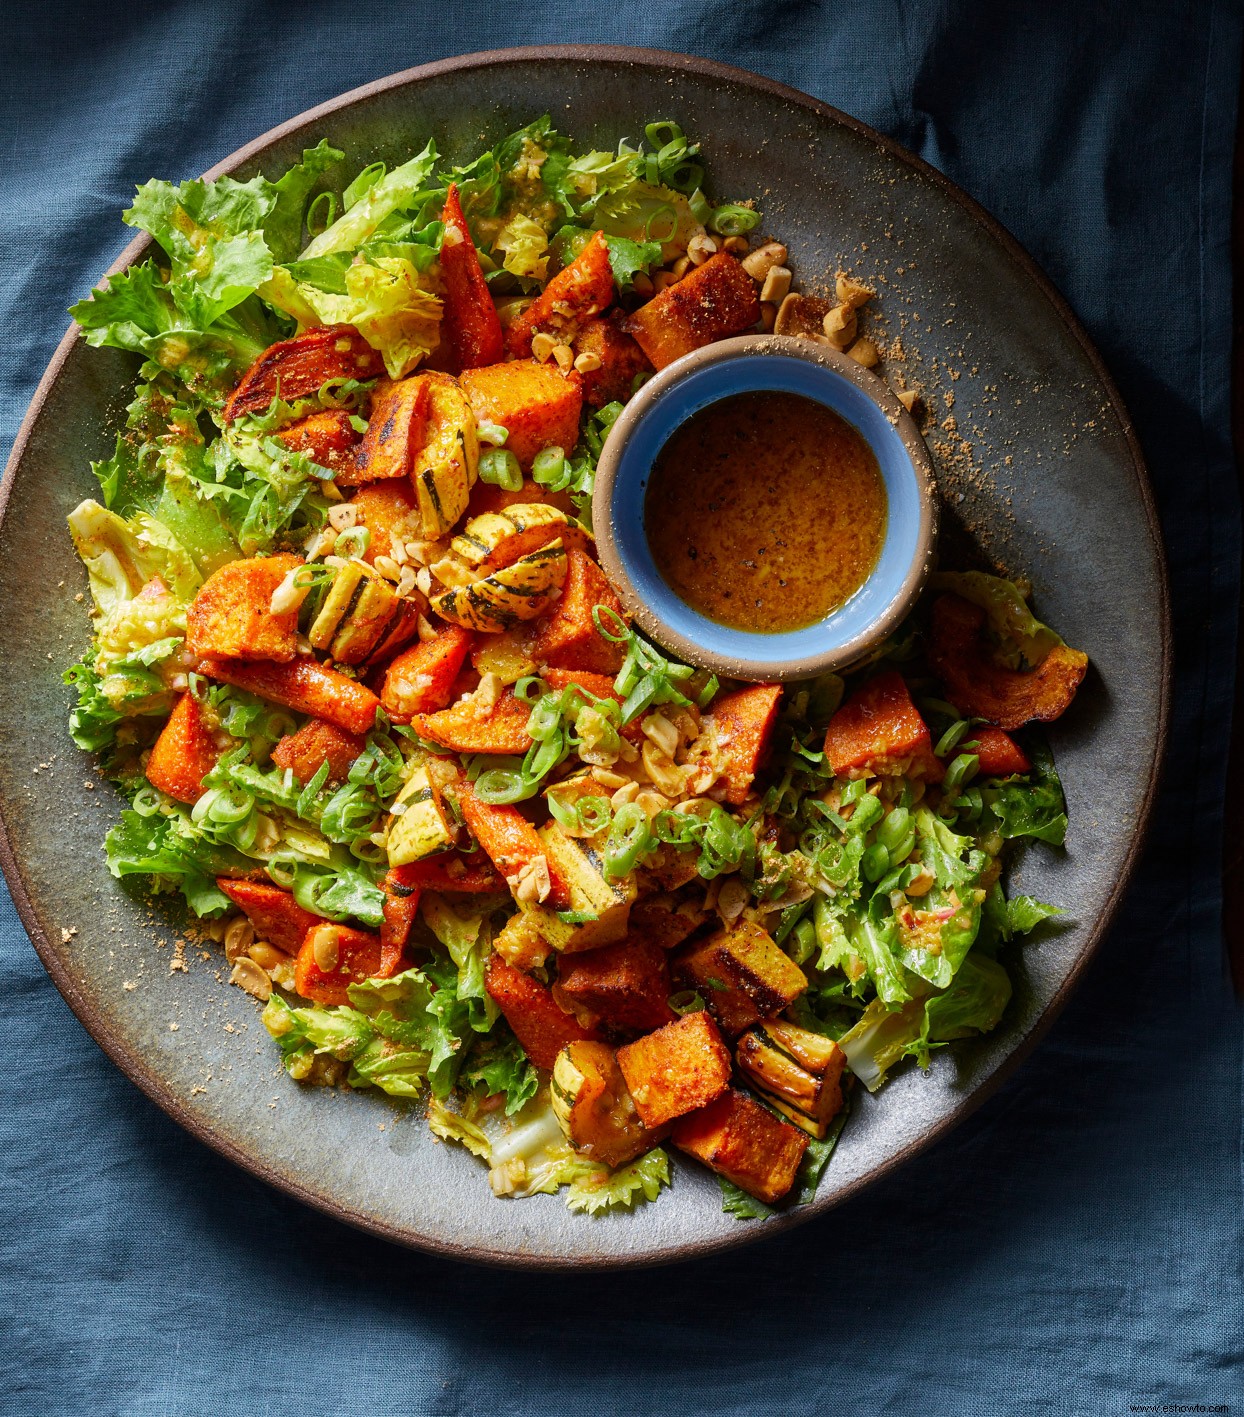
x: 134, y: 1065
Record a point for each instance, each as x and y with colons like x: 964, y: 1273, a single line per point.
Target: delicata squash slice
x: 513, y: 594
x: 491, y: 849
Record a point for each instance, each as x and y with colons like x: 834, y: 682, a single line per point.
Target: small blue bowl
x: 749, y: 364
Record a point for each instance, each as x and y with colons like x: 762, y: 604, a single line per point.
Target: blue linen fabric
x: 1075, y: 1247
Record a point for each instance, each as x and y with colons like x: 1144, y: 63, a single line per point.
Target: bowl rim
x: 839, y: 654
x: 133, y: 1062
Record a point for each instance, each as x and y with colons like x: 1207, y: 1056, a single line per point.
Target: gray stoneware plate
x: 1039, y: 467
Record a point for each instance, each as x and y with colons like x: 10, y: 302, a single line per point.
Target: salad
x: 382, y: 724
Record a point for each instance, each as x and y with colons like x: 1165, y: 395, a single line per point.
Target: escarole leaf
x: 395, y: 191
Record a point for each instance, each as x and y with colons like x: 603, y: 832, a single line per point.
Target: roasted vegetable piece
x: 521, y: 944
x: 621, y: 362
x: 401, y: 909
x: 798, y: 1071
x: 332, y: 957
x: 305, y: 686
x: 535, y: 403
x: 473, y: 727
x: 879, y: 731
x: 627, y: 985
x: 599, y: 909
x: 500, y: 538
x: 328, y: 437
x: 232, y: 614
x: 487, y: 497
x: 742, y: 724
x: 569, y: 639
x: 596, y: 1111
x: 583, y: 289
x: 470, y: 330
x: 508, y: 596
x: 977, y: 686
x: 739, y: 1140
x: 390, y: 512
x: 677, y: 1069
x: 512, y: 845
x: 664, y: 921
x: 998, y: 753
x: 529, y: 1008
x: 421, y: 679
x: 741, y: 974
x: 355, y: 614
x: 445, y: 468
x: 184, y: 753
x: 397, y: 431
x: 299, y: 367
x: 421, y: 825
x: 469, y: 873
x: 315, y: 744
x: 275, y: 914
x: 712, y: 302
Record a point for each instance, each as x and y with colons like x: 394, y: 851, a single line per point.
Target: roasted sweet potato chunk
x: 332, y: 957
x: 275, y: 914
x: 663, y: 920
x: 677, y: 1069
x: 742, y: 723
x: 879, y: 731
x: 583, y: 289
x: 738, y: 1139
x: 470, y: 329
x: 314, y: 744
x: 594, y: 1107
x: 299, y: 367
x: 512, y: 845
x: 390, y: 512
x: 471, y: 727
x: 232, y: 614
x: 529, y: 1008
x: 979, y: 687
x: 305, y: 686
x: 712, y: 302
x: 569, y: 639
x: 627, y: 985
x: 396, y: 431
x: 741, y: 974
x: 329, y: 437
x: 621, y: 362
x: 469, y: 873
x: 537, y: 404
x: 999, y: 755
x: 421, y: 679
x: 184, y: 753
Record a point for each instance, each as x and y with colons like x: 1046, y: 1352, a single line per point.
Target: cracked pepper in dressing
x: 765, y: 511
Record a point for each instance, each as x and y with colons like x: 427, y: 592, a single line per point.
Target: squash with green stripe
x: 600, y: 909
x: 508, y: 596
x: 421, y: 827
x: 795, y: 1070
x: 445, y: 469
x: 594, y: 1107
x: 499, y: 538
x: 354, y: 612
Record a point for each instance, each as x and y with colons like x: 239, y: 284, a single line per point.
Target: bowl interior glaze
x: 1052, y: 485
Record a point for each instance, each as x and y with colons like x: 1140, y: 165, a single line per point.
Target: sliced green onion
x: 493, y: 434
x: 549, y: 467
x: 961, y: 771
x: 868, y: 811
x: 951, y: 737
x: 663, y: 132
x: 686, y: 1001
x: 353, y: 542
x: 316, y: 225
x: 875, y: 862
x: 895, y: 827
x: 500, y: 467
x: 804, y: 944
x: 629, y: 838
x: 363, y: 184
x: 146, y: 801
x: 312, y: 790
x: 733, y: 220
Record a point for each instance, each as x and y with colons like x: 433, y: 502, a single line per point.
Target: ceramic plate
x: 1038, y: 467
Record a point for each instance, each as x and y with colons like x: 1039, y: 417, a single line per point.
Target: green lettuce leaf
x: 468, y: 938
x: 394, y: 192
x: 163, y: 847
x: 1021, y: 640
x: 628, y: 258
x: 498, y: 1064
x: 1032, y: 807
x: 598, y: 1189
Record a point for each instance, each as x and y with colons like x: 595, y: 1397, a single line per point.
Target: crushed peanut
x: 762, y: 260
x: 249, y: 976
x: 776, y: 285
